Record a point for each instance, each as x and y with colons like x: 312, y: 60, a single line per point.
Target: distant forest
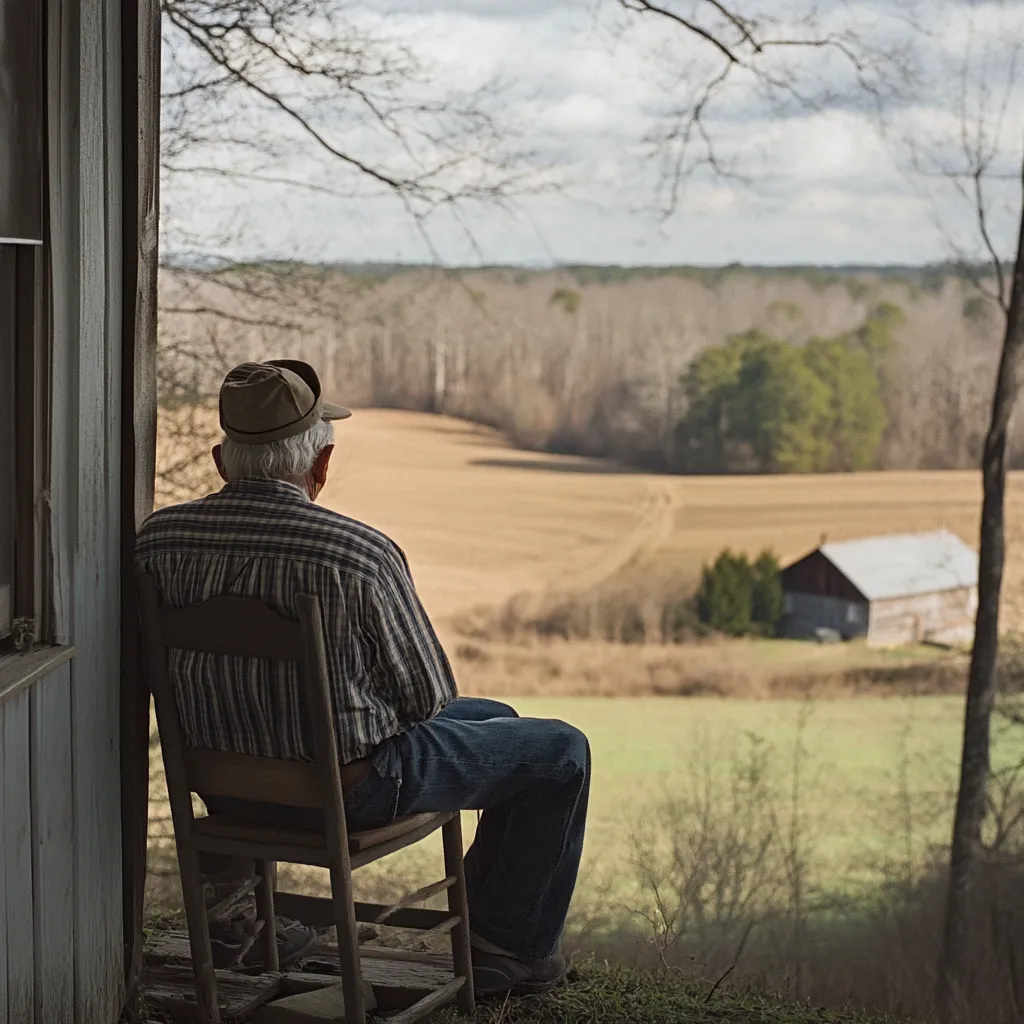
x: 682, y: 369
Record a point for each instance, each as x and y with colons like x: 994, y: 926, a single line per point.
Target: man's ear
x: 219, y: 462
x: 319, y: 470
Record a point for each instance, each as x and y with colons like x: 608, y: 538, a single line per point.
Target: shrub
x: 660, y: 611
x: 568, y: 299
x: 737, y: 598
x: 725, y: 597
x: 766, y: 597
x: 977, y: 310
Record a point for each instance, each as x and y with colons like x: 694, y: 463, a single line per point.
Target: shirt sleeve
x: 412, y: 663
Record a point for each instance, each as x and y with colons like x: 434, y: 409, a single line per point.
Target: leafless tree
x: 310, y: 97
x: 320, y: 96
x: 974, y: 161
x: 983, y: 679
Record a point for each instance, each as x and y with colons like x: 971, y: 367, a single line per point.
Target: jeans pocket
x: 374, y: 802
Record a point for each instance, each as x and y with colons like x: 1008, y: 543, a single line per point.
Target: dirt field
x: 482, y: 522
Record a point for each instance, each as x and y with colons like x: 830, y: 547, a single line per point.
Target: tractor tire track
x: 657, y: 521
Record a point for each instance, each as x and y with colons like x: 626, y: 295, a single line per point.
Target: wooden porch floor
x: 398, y: 978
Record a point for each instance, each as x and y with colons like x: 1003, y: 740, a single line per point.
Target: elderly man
x: 407, y: 742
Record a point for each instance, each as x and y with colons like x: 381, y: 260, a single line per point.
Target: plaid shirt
x: 266, y: 539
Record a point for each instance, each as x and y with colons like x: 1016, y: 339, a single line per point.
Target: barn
x: 891, y: 590
x: 79, y: 94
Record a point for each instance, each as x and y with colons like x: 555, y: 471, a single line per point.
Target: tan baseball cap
x: 263, y: 402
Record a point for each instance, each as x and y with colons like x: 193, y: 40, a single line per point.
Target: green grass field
x: 874, y: 800
x: 874, y: 788
x: 852, y: 756
x: 876, y: 778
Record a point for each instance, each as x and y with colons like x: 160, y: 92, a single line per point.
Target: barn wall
x: 909, y: 620
x: 815, y: 574
x: 806, y: 613
x: 61, y: 933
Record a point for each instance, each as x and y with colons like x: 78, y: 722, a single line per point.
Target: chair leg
x: 348, y: 943
x: 458, y: 906
x: 207, y: 1006
x: 266, y: 869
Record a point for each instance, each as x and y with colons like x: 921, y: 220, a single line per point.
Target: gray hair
x: 289, y: 459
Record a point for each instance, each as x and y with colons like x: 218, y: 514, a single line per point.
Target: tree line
x: 746, y: 371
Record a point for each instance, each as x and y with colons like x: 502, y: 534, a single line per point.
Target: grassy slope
x: 851, y: 800
x: 609, y: 995
x: 604, y: 994
x: 853, y: 750
x: 857, y: 813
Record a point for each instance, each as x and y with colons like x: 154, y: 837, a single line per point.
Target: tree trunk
x: 981, y: 688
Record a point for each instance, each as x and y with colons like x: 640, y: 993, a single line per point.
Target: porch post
x: 140, y: 48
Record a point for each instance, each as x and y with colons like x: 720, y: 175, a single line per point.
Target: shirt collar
x: 260, y: 486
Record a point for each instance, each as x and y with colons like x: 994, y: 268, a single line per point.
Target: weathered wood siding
x: 36, y: 970
x: 819, y: 596
x: 909, y: 620
x: 60, y: 845
x: 891, y: 623
x: 95, y: 352
x: 804, y: 614
x: 815, y: 574
x: 140, y: 36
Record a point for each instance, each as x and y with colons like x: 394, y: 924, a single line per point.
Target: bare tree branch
x: 981, y: 210
x: 771, y: 53
x: 646, y: 7
x: 307, y: 78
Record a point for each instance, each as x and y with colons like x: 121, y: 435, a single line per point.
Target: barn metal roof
x: 901, y: 565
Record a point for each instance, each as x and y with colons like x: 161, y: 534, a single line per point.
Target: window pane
x: 7, y: 291
x: 21, y: 119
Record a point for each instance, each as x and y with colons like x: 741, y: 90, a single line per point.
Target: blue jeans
x: 529, y: 776
x: 531, y: 779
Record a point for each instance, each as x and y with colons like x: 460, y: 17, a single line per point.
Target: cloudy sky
x: 586, y: 85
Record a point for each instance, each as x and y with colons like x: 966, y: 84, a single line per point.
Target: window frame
x: 24, y: 230
x: 22, y: 118
x: 28, y: 598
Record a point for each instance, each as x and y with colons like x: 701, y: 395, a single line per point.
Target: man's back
x: 266, y: 539
x: 419, y: 750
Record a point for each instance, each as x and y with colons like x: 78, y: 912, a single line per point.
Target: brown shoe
x: 231, y: 949
x: 497, y: 974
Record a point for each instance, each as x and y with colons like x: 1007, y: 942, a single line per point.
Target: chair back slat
x: 248, y: 628
x: 263, y: 779
x: 240, y: 626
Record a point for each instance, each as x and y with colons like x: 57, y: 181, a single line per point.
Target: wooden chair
x: 240, y: 626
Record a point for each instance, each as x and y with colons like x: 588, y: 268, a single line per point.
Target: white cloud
x: 825, y: 188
